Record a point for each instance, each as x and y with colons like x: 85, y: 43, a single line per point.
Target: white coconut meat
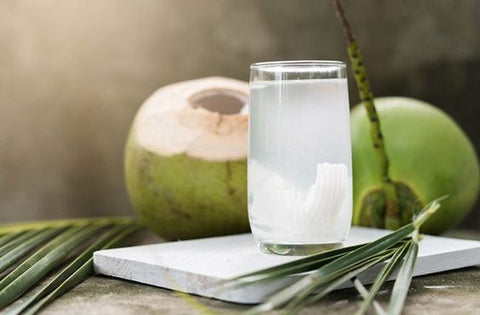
x: 200, y: 118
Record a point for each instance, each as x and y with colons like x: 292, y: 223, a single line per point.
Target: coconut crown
x: 199, y: 118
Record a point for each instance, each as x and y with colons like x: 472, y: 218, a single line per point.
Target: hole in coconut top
x: 223, y: 101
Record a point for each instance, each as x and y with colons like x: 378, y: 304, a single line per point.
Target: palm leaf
x: 307, y: 284
x: 404, y: 277
x: 364, y: 293
x: 383, y: 276
x: 42, y: 262
x: 80, y: 275
x: 308, y: 263
x: 32, y: 240
x: 44, y: 246
x: 296, y: 304
x: 9, y: 241
x: 71, y: 268
x: 329, y: 274
x: 79, y: 270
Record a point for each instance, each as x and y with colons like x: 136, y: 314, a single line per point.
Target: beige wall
x: 73, y: 73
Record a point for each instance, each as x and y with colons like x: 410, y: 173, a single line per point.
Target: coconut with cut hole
x: 185, y: 159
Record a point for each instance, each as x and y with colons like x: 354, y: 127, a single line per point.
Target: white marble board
x: 196, y: 266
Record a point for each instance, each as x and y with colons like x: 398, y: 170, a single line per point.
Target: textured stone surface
x: 447, y: 293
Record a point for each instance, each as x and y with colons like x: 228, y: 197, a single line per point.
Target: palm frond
x: 328, y: 272
x: 383, y: 276
x: 79, y: 270
x: 330, y: 269
x: 32, y: 240
x: 296, y: 304
x: 364, y: 293
x: 5, y: 239
x: 31, y: 251
x: 308, y: 263
x: 404, y: 277
x: 41, y: 262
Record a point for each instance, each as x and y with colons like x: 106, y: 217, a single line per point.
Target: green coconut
x: 185, y: 159
x: 430, y: 156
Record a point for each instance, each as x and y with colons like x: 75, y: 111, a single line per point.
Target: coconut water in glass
x: 299, y: 164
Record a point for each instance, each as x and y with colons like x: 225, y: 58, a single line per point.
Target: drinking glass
x: 299, y: 164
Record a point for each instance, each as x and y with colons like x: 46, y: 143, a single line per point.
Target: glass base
x: 297, y: 249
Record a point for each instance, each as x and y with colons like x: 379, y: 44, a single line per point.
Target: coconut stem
x: 392, y: 213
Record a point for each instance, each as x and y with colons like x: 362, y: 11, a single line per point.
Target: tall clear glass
x: 299, y: 164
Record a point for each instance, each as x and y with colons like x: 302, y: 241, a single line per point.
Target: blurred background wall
x: 73, y: 73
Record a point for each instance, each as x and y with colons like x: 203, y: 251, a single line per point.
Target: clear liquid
x: 299, y: 169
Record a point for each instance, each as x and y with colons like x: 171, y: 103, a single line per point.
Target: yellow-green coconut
x: 185, y: 159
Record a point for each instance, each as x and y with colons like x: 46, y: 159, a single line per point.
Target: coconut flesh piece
x: 321, y: 213
x: 199, y: 118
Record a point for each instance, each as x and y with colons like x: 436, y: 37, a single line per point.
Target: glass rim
x: 295, y: 64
